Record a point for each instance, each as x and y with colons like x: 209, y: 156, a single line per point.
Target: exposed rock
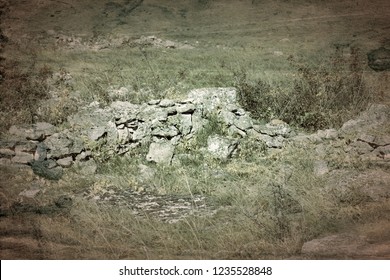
x: 65, y: 162
x: 328, y: 134
x: 96, y: 133
x: 213, y: 98
x: 22, y: 157
x: 379, y: 59
x: 160, y: 152
x: 38, y: 131
x: 87, y: 167
x: 47, y: 169
x: 221, y: 147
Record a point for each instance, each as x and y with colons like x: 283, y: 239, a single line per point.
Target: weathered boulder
x: 221, y: 147
x: 160, y: 152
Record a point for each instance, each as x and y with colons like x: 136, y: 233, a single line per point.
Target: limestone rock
x: 221, y: 147
x: 213, y: 98
x: 22, y: 157
x: 65, y: 162
x: 87, y: 167
x: 160, y: 152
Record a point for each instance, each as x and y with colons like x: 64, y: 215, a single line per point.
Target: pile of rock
x: 121, y: 127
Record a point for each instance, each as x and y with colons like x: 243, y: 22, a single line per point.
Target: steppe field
x: 305, y: 65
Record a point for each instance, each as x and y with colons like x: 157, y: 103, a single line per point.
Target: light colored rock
x: 213, y: 98
x: 6, y: 152
x: 328, y: 134
x: 167, y: 132
x: 161, y: 153
x: 96, y: 133
x: 26, y: 147
x: 22, y: 157
x: 65, y: 162
x: 185, y: 108
x: 361, y: 147
x: 243, y: 122
x: 87, y: 167
x: 123, y: 135
x: 227, y: 117
x: 221, y: 147
x: 166, y: 103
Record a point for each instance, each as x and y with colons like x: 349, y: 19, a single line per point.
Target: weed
x: 321, y: 97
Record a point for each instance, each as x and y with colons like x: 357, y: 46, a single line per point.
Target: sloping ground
x: 271, y: 29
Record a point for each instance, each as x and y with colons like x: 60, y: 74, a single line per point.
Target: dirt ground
x: 272, y: 27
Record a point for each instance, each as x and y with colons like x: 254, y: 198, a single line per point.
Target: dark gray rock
x: 379, y: 59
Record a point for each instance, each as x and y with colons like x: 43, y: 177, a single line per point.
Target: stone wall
x: 160, y: 126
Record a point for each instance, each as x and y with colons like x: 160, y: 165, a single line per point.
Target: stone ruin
x: 161, y: 126
x: 121, y: 127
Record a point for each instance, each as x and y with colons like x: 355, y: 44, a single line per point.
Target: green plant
x: 321, y: 97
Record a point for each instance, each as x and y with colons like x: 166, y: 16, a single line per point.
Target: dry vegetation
x: 270, y: 204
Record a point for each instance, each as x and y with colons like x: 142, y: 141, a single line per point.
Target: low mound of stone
x: 161, y: 126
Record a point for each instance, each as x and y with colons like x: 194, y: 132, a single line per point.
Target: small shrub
x: 321, y: 97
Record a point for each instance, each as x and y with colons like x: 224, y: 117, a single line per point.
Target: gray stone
x: 328, y: 134
x: 382, y: 140
x: 58, y: 144
x: 47, y: 169
x: 143, y: 131
x: 166, y: 103
x: 83, y: 156
x: 152, y: 113
x: 213, y: 98
x: 22, y: 157
x: 233, y: 131
x: 221, y: 147
x: 161, y: 153
x: 26, y: 147
x: 366, y: 138
x: 227, y: 117
x: 382, y: 152
x: 123, y: 135
x: 275, y: 128
x: 243, y: 122
x: 96, y: 133
x: 87, y: 167
x: 167, y: 132
x: 185, y: 108
x: 65, y: 162
x: 154, y: 102
x: 361, y: 147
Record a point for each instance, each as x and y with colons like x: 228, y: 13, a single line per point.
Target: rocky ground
x: 43, y: 165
